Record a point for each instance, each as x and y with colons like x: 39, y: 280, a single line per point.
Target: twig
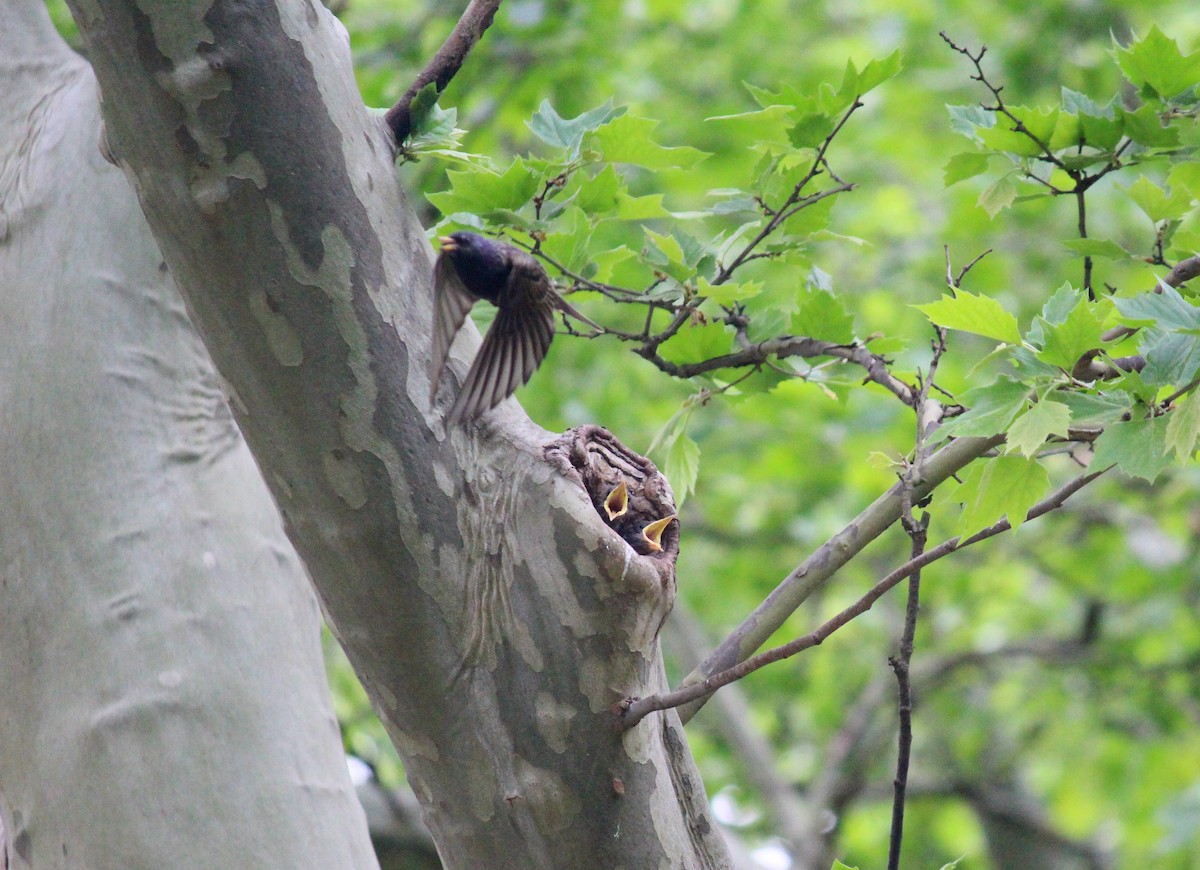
x: 999, y: 107
x: 778, y: 216
x: 634, y: 710
x: 476, y: 19
x: 918, y: 533
x: 1184, y: 271
x: 900, y: 666
x: 1081, y: 180
x: 783, y: 347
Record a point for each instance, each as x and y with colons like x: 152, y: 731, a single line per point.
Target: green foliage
x: 978, y: 314
x: 1006, y: 486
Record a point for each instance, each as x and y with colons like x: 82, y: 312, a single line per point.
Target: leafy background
x: 1101, y: 741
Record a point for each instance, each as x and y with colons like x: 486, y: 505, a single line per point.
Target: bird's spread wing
x: 515, y: 346
x: 527, y: 266
x: 451, y: 303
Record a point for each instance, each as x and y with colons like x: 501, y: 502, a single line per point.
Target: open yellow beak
x: 447, y: 244
x: 617, y: 502
x: 653, y: 533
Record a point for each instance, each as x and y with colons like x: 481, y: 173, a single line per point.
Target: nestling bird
x: 470, y: 268
x: 644, y: 539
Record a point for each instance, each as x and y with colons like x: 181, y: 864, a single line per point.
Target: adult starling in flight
x: 470, y: 268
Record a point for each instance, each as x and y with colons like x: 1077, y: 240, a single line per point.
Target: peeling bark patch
x: 211, y: 187
x: 345, y: 478
x: 414, y: 745
x: 281, y: 338
x: 445, y: 481
x: 553, y: 805
x: 553, y: 721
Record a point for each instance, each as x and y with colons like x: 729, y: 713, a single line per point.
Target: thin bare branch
x: 633, y: 711
x: 795, y: 201
x: 475, y: 20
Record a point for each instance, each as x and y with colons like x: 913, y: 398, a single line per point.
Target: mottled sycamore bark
x: 493, y: 616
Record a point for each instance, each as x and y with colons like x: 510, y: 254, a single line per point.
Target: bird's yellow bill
x: 617, y: 502
x: 447, y: 244
x: 653, y: 533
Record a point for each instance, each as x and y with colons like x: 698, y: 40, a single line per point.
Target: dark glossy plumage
x: 470, y: 268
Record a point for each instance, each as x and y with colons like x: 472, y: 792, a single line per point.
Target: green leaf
x: 1029, y: 432
x: 1156, y: 61
x: 640, y: 208
x: 1060, y: 305
x: 1064, y: 343
x: 627, y: 140
x: 1135, y: 385
x: 693, y: 344
x: 969, y: 120
x: 1101, y: 128
x: 1187, y: 176
x: 981, y: 315
x: 1004, y: 486
x: 1138, y: 448
x: 875, y: 73
x: 999, y: 195
x: 682, y: 465
x: 1081, y: 104
x: 1068, y: 132
x: 1096, y: 408
x: 1156, y: 202
x: 788, y: 95
x: 823, y: 315
x: 769, y: 124
x: 480, y: 191
x: 1040, y: 122
x: 1102, y: 133
x: 729, y: 292
x: 811, y: 130
x: 992, y: 409
x: 1183, y: 426
x: 555, y: 130
x: 966, y: 165
x: 606, y: 262
x: 666, y: 253
x: 1106, y: 248
x: 597, y: 194
x: 567, y: 241
x: 1166, y: 310
x: 673, y: 428
x: 1172, y: 358
x: 1145, y: 127
x: 418, y: 109
x: 838, y: 865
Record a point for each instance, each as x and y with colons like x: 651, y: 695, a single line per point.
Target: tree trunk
x: 493, y: 616
x: 163, y: 701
